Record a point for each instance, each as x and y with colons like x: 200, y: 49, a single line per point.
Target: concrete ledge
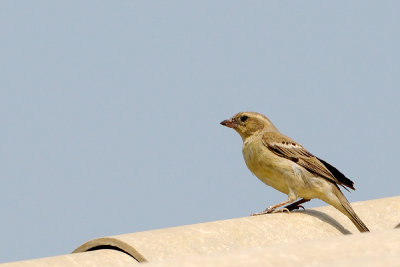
x: 250, y: 232
x: 323, y: 234
x: 372, y: 249
x: 104, y: 257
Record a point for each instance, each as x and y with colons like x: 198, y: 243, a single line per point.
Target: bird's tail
x: 347, y: 210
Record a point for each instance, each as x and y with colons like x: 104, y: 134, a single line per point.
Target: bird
x: 284, y: 164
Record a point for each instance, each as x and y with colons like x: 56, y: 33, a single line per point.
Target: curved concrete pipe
x: 249, y: 232
x: 375, y: 249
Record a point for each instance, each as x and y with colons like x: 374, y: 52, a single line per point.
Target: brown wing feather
x: 285, y: 147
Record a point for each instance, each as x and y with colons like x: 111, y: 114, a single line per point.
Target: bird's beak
x: 229, y: 123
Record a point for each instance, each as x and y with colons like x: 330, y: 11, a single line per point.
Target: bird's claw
x: 271, y: 210
x: 257, y: 213
x: 280, y: 210
x: 297, y: 207
x: 300, y: 206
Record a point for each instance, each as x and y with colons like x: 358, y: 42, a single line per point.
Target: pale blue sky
x: 110, y: 110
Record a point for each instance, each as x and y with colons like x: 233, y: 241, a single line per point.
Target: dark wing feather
x: 338, y: 175
x: 285, y: 147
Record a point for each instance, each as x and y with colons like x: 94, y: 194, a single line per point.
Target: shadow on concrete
x: 326, y: 218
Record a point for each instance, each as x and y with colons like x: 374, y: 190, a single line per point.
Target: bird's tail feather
x: 350, y: 213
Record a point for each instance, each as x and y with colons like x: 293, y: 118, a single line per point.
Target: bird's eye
x: 244, y: 118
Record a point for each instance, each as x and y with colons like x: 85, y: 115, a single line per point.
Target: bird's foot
x: 297, y: 207
x: 258, y: 213
x: 271, y: 210
x: 280, y: 210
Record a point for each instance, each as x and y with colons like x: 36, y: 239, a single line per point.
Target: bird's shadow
x: 325, y: 218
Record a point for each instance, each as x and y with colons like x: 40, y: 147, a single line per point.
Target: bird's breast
x: 265, y: 165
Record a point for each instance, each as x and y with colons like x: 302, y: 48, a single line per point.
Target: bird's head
x: 249, y: 123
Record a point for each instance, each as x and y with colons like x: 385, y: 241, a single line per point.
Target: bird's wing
x: 285, y: 147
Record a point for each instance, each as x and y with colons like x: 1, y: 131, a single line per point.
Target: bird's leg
x: 296, y: 205
x: 292, y: 196
x: 273, y: 208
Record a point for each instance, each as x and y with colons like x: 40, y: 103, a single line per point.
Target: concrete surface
x: 372, y: 249
x: 249, y: 232
x: 104, y: 258
x: 315, y: 236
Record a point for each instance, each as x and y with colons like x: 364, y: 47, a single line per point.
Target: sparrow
x: 287, y: 166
